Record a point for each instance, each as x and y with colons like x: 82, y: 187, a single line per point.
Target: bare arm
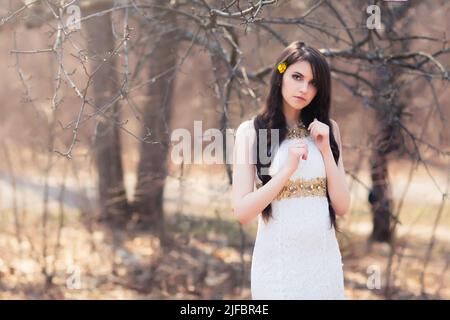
x: 246, y: 202
x: 337, y: 185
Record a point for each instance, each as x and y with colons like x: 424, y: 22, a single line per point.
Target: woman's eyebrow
x: 301, y: 74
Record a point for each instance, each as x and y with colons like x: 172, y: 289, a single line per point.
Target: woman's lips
x: 300, y: 98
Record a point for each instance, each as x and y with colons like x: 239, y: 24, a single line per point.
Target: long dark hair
x: 271, y: 115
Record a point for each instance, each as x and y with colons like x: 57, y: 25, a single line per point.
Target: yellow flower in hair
x: 282, y: 67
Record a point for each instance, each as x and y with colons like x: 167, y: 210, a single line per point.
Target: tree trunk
x: 152, y: 167
x: 389, y: 112
x: 388, y: 139
x: 112, y: 196
x: 379, y: 196
x: 223, y: 87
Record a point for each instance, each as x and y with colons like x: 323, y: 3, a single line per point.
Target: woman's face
x: 298, y: 87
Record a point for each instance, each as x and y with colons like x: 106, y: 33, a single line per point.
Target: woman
x: 301, y: 189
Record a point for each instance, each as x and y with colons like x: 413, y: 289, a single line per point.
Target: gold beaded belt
x: 316, y: 187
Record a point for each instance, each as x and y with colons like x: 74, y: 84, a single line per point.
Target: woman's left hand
x: 320, y: 132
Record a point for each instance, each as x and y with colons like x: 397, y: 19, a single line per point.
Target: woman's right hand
x: 296, y: 151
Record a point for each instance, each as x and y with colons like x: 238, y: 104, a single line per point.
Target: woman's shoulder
x: 246, y: 127
x: 245, y: 142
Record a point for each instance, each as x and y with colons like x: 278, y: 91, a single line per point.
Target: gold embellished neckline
x: 298, y: 131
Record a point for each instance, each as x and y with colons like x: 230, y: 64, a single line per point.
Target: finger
x: 317, y: 133
x: 313, y: 123
x: 297, y: 149
x: 313, y: 132
x: 299, y: 143
x: 299, y: 154
x: 305, y: 155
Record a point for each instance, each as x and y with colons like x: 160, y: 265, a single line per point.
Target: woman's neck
x: 291, y: 115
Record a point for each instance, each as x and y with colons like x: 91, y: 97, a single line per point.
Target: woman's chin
x: 299, y: 105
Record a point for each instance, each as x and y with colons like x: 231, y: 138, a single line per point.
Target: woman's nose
x: 303, y: 86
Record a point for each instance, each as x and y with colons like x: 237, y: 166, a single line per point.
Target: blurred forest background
x: 91, y: 204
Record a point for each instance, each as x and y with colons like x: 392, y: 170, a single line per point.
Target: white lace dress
x: 296, y: 254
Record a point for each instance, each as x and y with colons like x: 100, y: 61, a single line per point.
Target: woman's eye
x: 297, y: 77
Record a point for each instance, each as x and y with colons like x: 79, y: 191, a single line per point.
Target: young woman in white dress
x: 300, y: 190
